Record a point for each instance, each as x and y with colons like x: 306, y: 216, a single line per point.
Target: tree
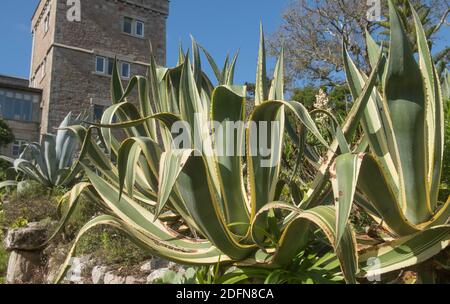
x: 338, y: 97
x: 306, y: 96
x: 313, y: 32
x: 6, y: 135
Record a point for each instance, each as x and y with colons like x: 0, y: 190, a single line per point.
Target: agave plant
x: 395, y: 174
x: 50, y: 163
x: 230, y: 201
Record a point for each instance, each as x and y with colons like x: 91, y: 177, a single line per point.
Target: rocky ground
x: 27, y: 265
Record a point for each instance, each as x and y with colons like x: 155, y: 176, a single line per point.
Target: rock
x: 177, y: 268
x: 28, y: 238
x: 147, y: 267
x: 53, y: 266
x: 111, y: 278
x: 159, y: 263
x: 22, y: 267
x: 155, y: 264
x: 157, y: 275
x: 131, y: 280
x: 81, y: 270
x: 98, y: 274
x: 55, y: 255
x: 24, y: 187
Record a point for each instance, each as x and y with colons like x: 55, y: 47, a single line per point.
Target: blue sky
x: 220, y: 26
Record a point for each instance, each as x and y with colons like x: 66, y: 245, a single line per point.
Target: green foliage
x: 112, y: 248
x: 6, y: 134
x: 306, y: 96
x: 19, y: 223
x: 34, y: 204
x: 234, y: 214
x: 339, y: 101
x: 338, y: 98
x: 395, y: 176
x: 207, y: 191
x: 3, y: 254
x: 50, y: 163
x: 316, y: 265
x: 445, y: 186
x: 4, y: 165
x: 6, y: 137
x: 172, y: 277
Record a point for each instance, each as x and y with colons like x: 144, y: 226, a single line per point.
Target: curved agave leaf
x: 404, y: 252
x: 128, y: 158
x: 195, y: 111
x: 405, y: 94
x: 348, y: 128
x: 264, y: 169
x: 215, y: 68
x: 364, y: 172
x: 378, y: 129
x: 434, y: 112
x: 296, y: 234
x: 8, y: 183
x: 171, y: 165
x: 347, y: 165
x: 138, y: 217
x: 231, y: 68
x: 72, y: 197
x: 66, y: 144
x: 198, y: 254
x: 49, y: 151
x: 261, y: 84
x: 31, y: 171
x: 277, y: 87
x: 202, y: 202
x: 446, y: 86
x: 228, y: 110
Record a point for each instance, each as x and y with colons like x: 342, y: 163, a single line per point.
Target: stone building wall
x: 69, y: 49
x: 27, y: 131
x: 41, y: 61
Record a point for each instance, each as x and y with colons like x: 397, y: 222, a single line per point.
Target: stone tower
x: 74, y: 42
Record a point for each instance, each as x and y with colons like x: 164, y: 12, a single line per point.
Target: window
x: 125, y: 70
x: 128, y: 25
x: 46, y: 23
x: 43, y: 68
x: 133, y: 27
x: 18, y: 146
x: 19, y: 106
x: 98, y: 112
x: 140, y: 28
x: 105, y: 66
x: 100, y: 64
x: 110, y: 66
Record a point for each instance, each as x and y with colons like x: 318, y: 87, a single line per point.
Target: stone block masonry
x: 65, y: 52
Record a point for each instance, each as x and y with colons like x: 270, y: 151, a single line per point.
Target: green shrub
x: 6, y: 134
x: 445, y: 185
x: 111, y: 247
x: 3, y: 256
x: 51, y: 162
x: 104, y: 243
x: 34, y: 204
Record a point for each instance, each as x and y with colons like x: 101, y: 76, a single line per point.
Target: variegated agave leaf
x: 400, y: 176
x: 51, y: 162
x: 229, y: 216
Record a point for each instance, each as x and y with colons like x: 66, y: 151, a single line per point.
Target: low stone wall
x: 25, y: 263
x: 28, y: 266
